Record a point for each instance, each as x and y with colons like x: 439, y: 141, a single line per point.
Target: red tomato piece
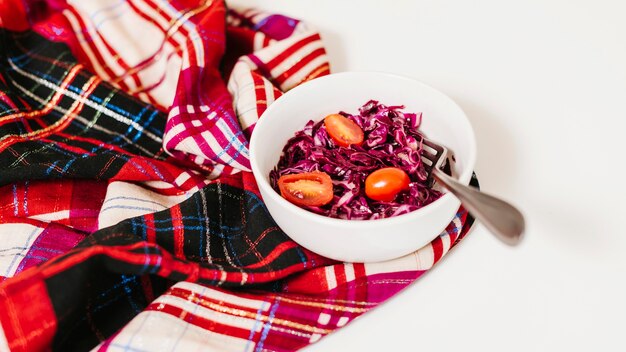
x: 308, y: 189
x: 385, y: 184
x: 343, y: 131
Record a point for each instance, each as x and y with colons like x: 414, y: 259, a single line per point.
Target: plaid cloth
x: 129, y: 219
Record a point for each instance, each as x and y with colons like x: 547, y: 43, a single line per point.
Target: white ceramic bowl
x: 360, y: 240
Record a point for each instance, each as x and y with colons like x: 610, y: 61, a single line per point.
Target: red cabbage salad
x: 362, y: 164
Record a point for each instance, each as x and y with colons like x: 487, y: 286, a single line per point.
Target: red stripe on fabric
x: 248, y: 183
x: 5, y: 99
x: 359, y: 270
x: 26, y: 315
x: 111, y: 52
x: 280, y: 79
x: 94, y: 142
x: 274, y: 254
x: 259, y: 90
x: 286, y: 53
x: 146, y: 169
x: 236, y: 277
x: 437, y: 246
x: 199, y: 321
x: 360, y: 282
x: 203, y: 299
x: 150, y: 229
x: 225, y: 141
x: 80, y: 255
x: 322, y: 70
x: 191, y: 50
x: 106, y: 344
x: 67, y: 147
x: 94, y: 50
x: 86, y: 199
x: 340, y: 274
x: 175, y: 44
x: 50, y: 104
x: 63, y: 122
x: 465, y: 229
x: 179, y: 232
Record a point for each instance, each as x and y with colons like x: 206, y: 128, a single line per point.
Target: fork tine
x: 433, y: 155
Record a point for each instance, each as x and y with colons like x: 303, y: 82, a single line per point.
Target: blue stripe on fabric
x: 33, y: 248
x: 135, y: 199
x: 15, y: 203
x: 130, y: 207
x: 100, y: 101
x: 150, y: 118
x: 68, y: 165
x: 51, y: 167
x: 106, y: 8
x: 266, y: 327
x: 302, y: 256
x: 202, y: 231
x: 257, y: 321
x: 30, y: 236
x: 25, y: 204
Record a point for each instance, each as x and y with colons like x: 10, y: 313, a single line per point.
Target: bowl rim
x: 264, y: 185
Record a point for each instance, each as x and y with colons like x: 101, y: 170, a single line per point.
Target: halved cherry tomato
x: 309, y: 188
x: 343, y: 131
x: 385, y: 184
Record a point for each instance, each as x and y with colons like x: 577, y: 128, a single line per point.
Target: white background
x: 544, y: 85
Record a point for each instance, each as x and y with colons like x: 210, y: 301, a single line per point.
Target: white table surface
x: 544, y: 85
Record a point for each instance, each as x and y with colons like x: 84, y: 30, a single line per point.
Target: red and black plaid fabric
x: 128, y: 217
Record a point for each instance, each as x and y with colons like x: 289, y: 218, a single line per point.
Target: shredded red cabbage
x: 392, y: 139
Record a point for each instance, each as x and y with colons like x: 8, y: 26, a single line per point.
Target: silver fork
x: 500, y: 217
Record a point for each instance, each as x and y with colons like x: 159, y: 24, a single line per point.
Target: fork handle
x: 500, y: 217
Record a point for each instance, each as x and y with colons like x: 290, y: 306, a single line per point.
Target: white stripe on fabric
x: 323, y: 319
x: 182, y: 178
x: 16, y: 241
x: 124, y: 200
x: 95, y: 39
x: 216, y: 315
x: 164, y: 71
x: 193, y: 36
x: 175, y: 112
x: 88, y: 102
x: 173, y: 132
x: 296, y: 57
x: 425, y: 257
x: 241, y: 87
x: 301, y: 74
x: 349, y: 269
x: 269, y: 92
x: 165, y: 23
x: 331, y: 279
x: 164, y: 93
x: 223, y: 296
x: 55, y: 216
x: 144, y: 38
x: 419, y: 260
x: 82, y: 120
x: 233, y: 140
x: 189, y: 145
x: 259, y: 38
x: 157, y: 331
x: 445, y: 243
x: 78, y: 31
